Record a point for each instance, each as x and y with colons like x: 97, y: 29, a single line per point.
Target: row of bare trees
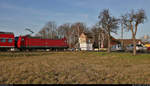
x: 70, y: 31
x: 48, y: 31
x: 129, y: 21
x: 101, y: 31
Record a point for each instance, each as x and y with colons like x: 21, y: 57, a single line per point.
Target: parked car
x: 148, y: 49
x: 147, y: 45
x: 139, y: 48
x: 117, y: 47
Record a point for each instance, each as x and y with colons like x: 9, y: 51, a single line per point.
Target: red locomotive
x: 30, y: 43
x: 8, y: 41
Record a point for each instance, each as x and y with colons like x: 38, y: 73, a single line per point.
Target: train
x: 8, y: 42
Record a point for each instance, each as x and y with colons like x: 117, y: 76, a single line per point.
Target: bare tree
x: 71, y: 32
x: 65, y: 31
x: 49, y: 30
x: 99, y: 35
x: 131, y: 21
x: 77, y: 29
x: 122, y: 29
x: 96, y: 35
x: 109, y: 24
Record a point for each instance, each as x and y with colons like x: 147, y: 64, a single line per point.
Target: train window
x: 22, y: 39
x: 10, y: 40
x: 3, y: 40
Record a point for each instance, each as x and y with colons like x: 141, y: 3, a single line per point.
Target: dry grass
x: 73, y: 68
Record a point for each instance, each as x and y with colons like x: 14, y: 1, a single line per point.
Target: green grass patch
x: 130, y: 55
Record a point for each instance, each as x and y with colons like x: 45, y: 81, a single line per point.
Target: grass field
x: 74, y: 68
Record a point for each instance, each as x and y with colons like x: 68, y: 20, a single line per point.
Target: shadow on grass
x: 130, y: 55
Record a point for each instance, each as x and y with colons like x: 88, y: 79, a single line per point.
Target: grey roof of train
x: 6, y: 32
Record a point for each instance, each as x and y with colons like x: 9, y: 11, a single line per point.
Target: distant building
x: 114, y: 41
x: 129, y: 41
x: 85, y: 41
x: 105, y: 42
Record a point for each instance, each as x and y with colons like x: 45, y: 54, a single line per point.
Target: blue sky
x: 16, y: 15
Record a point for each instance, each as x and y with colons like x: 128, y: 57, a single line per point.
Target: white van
x: 117, y: 47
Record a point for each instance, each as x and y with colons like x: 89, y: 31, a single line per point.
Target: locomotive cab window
x: 3, y: 40
x: 10, y: 40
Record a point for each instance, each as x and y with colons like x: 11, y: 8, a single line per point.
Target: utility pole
x: 122, y: 27
x: 78, y: 37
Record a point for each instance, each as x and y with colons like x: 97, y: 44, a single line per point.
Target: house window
x: 89, y: 41
x: 10, y: 40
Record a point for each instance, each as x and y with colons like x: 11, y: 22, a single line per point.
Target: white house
x: 85, y: 42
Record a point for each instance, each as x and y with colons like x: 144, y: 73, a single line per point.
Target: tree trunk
x: 99, y: 42
x: 102, y: 41
x: 69, y: 42
x: 108, y: 50
x: 102, y: 44
x: 134, y: 44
